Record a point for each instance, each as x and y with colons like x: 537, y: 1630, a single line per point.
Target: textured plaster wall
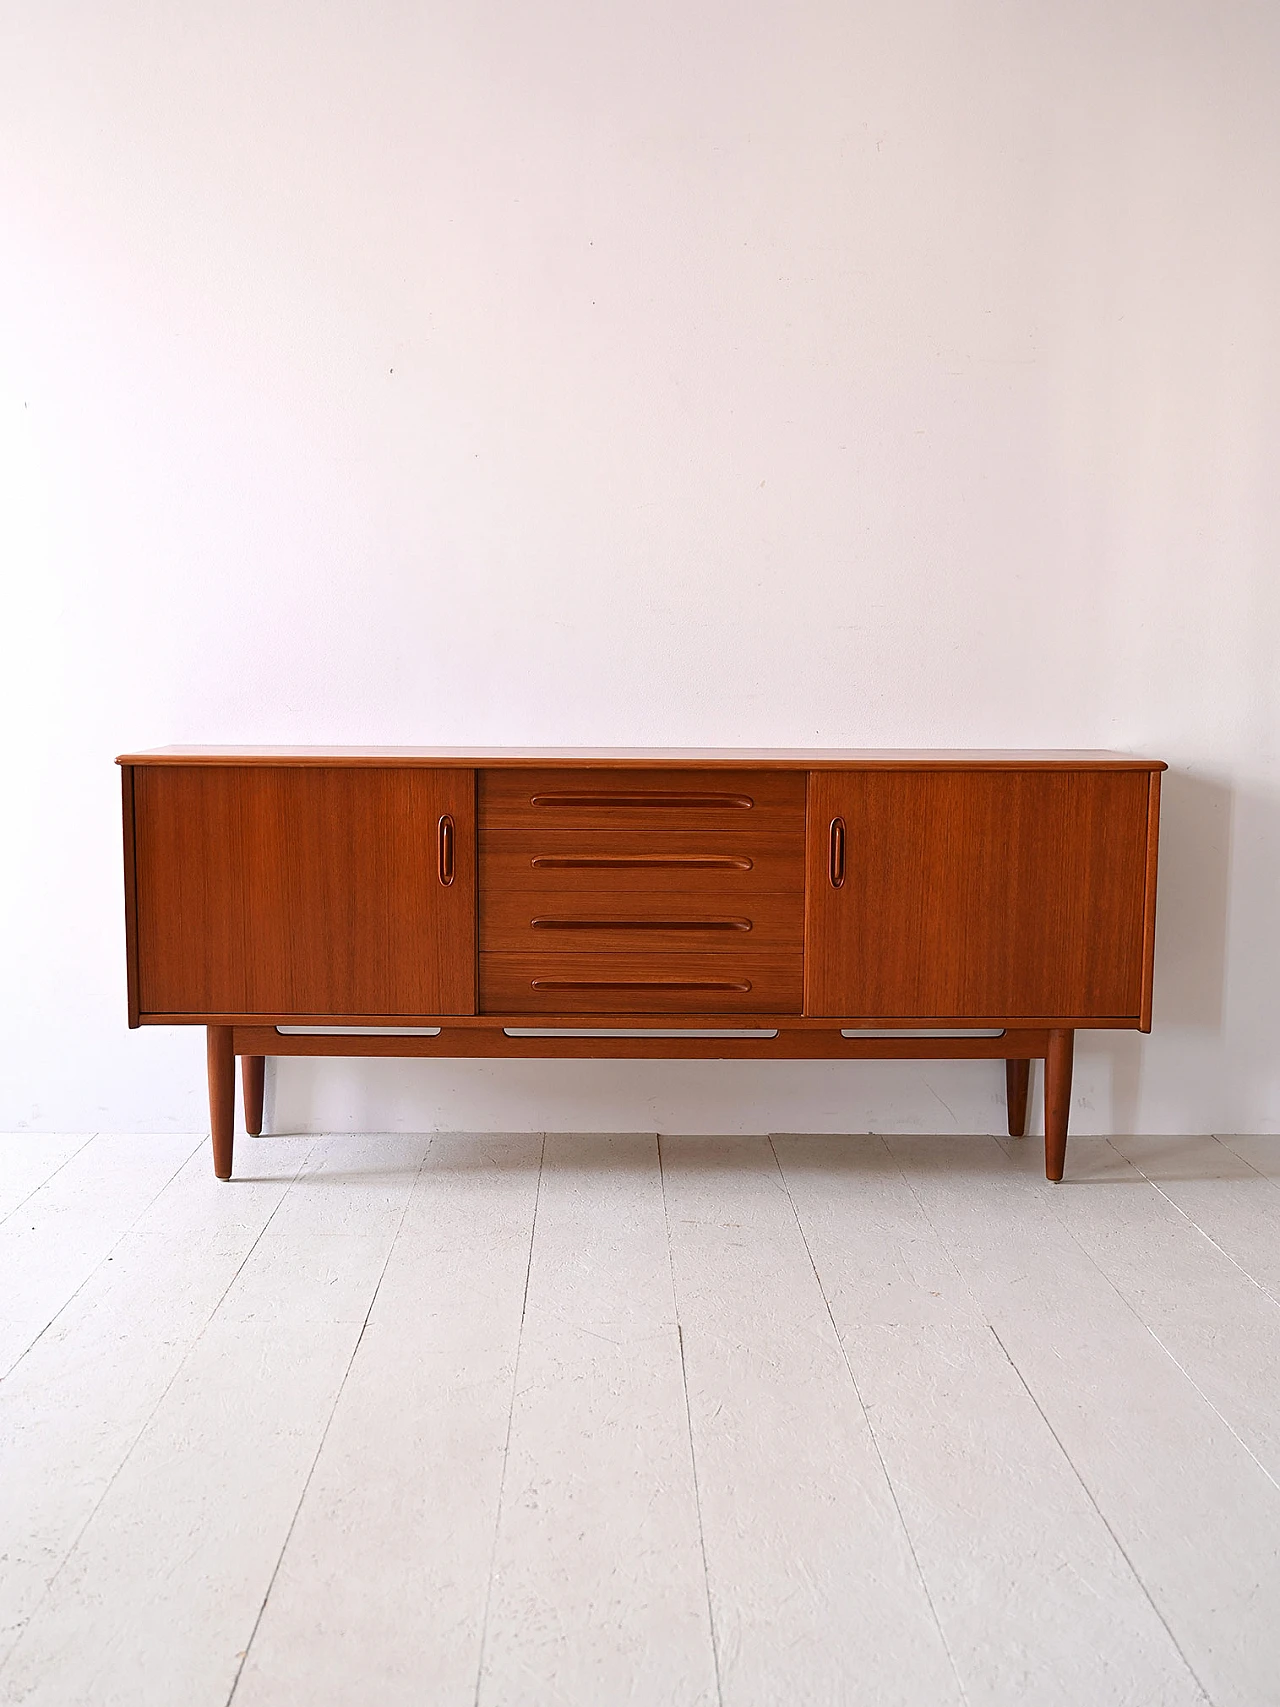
x: 830, y: 373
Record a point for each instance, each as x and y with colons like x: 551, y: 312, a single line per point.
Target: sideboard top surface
x: 757, y: 758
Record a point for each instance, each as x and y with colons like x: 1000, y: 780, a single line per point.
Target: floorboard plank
x: 381, y: 1589
x: 1262, y: 1152
x: 1221, y: 1193
x: 1216, y: 1322
x: 816, y: 1595
x: 68, y: 1225
x: 355, y: 1185
x: 599, y: 1593
x: 28, y: 1159
x: 158, y: 1599
x: 854, y: 1410
x: 1158, y: 1461
x: 1037, y: 1601
x: 74, y: 1406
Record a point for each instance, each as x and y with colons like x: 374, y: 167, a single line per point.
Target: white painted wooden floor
x: 608, y: 1422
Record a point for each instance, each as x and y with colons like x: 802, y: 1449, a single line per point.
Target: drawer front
x: 655, y: 891
x: 568, y: 890
x: 658, y: 800
x: 735, y: 981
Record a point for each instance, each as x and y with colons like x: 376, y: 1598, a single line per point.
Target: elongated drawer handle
x: 836, y: 864
x: 444, y: 850
x: 711, y: 802
x: 654, y: 862
x: 554, y: 924
x: 742, y: 984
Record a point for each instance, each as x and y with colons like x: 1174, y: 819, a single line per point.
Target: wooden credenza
x: 717, y: 904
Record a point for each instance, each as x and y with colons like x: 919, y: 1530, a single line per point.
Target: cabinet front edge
x: 693, y: 758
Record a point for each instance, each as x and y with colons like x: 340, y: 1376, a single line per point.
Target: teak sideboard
x: 716, y: 904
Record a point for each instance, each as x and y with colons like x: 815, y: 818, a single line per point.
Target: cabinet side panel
x: 1149, y: 902
x: 273, y: 890
x: 980, y: 892
x: 130, y: 893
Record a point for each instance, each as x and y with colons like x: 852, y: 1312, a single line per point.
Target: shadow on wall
x: 1197, y: 816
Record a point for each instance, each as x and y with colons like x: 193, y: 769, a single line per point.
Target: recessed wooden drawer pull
x: 657, y: 862
x: 836, y: 857
x: 444, y: 850
x: 741, y: 984
x: 711, y: 802
x: 554, y: 924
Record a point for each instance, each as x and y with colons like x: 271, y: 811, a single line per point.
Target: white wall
x: 836, y: 373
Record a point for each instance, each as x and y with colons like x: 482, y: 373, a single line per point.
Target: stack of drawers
x: 641, y: 892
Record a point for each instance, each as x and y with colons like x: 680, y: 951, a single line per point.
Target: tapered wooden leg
x: 222, y: 1098
x: 1017, y: 1082
x: 253, y: 1077
x: 1057, y: 1101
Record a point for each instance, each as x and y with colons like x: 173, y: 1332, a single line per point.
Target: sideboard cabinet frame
x: 1115, y: 874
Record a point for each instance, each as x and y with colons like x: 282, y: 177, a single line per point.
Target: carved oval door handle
x: 445, y: 850
x: 835, y: 865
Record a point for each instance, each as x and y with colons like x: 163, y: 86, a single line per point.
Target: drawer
x: 619, y: 923
x: 554, y: 890
x: 741, y: 981
x: 661, y: 800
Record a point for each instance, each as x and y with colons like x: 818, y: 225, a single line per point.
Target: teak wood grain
x: 130, y: 892
x: 791, y: 1020
x: 1017, y: 1081
x: 978, y: 892
x: 654, y: 800
x: 1058, y: 1064
x: 555, y: 888
x: 732, y: 980
x: 650, y: 1039
x: 686, y: 758
x: 1149, y: 902
x: 316, y: 891
x: 220, y: 1055
x: 253, y: 1076
x: 487, y: 891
